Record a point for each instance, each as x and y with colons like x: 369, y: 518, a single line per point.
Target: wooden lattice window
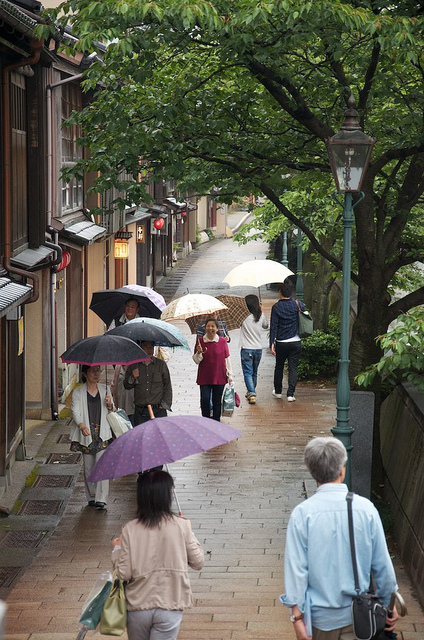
x: 72, y: 192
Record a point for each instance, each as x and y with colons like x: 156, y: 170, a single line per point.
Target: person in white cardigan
x: 91, y: 433
x: 251, y: 345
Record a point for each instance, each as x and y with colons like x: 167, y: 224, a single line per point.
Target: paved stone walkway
x: 238, y: 498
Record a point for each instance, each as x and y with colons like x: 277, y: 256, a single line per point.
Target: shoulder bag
x: 306, y: 324
x: 368, y: 613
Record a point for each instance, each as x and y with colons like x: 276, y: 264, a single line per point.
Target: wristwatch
x: 296, y: 618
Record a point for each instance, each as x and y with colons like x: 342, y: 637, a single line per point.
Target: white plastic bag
x: 119, y: 422
x: 228, y: 400
x: 93, y: 606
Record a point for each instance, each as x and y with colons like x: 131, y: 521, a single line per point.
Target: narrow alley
x: 238, y: 498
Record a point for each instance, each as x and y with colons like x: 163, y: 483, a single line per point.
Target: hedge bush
x: 320, y: 352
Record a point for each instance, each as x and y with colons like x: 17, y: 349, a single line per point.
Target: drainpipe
x: 36, y: 47
x: 54, y: 395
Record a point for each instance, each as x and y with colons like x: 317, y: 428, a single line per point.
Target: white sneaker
x: 276, y: 395
x: 291, y: 399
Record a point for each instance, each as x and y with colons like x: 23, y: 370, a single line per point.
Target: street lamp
x: 349, y: 151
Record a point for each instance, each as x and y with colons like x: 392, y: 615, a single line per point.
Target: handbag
x: 113, y: 620
x: 93, y: 606
x: 306, y: 323
x: 368, y: 613
x: 119, y: 422
x: 228, y: 400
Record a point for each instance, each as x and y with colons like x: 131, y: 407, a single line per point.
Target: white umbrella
x: 256, y: 273
x: 192, y: 304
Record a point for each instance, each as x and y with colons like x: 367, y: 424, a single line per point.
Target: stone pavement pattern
x: 238, y: 498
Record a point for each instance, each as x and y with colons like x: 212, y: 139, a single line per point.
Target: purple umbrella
x: 160, y: 441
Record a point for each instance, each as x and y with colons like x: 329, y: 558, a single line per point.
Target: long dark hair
x: 154, y: 498
x: 252, y: 303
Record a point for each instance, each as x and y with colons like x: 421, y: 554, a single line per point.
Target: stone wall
x: 402, y: 420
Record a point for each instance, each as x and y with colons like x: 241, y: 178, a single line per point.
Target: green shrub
x: 320, y: 352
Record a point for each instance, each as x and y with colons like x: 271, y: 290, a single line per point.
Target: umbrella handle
x: 177, y: 502
x: 150, y: 410
x: 396, y: 598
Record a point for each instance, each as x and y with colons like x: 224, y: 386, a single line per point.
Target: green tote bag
x: 114, y: 615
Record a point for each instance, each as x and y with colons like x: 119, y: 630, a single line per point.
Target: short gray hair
x: 324, y: 458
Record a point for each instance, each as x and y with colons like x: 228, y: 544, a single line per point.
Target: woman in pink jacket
x: 153, y: 554
x: 213, y: 357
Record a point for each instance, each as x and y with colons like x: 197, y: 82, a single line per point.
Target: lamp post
x: 349, y: 151
x: 299, y: 265
x: 284, y: 260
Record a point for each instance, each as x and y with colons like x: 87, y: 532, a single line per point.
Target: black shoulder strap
x: 349, y: 499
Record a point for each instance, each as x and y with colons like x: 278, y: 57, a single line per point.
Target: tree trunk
x: 318, y: 283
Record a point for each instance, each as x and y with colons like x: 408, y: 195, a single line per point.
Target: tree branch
x: 274, y: 83
x: 405, y: 304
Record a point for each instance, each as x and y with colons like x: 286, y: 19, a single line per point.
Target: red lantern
x: 66, y: 259
x: 158, y: 223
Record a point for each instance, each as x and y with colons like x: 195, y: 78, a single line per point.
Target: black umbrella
x: 110, y: 303
x: 141, y: 330
x: 105, y: 349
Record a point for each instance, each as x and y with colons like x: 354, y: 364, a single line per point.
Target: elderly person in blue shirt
x: 318, y: 570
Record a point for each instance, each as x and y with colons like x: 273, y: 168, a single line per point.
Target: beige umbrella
x: 256, y: 273
x: 192, y: 304
x: 234, y: 316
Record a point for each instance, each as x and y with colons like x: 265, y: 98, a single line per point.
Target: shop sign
x: 141, y: 234
x: 121, y: 249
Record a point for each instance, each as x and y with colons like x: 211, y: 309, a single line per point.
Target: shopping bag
x: 114, y: 615
x: 306, y: 323
x: 228, y: 400
x: 93, y: 606
x: 119, y: 422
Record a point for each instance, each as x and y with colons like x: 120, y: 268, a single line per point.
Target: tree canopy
x: 241, y: 95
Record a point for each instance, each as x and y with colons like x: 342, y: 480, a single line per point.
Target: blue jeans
x: 250, y: 359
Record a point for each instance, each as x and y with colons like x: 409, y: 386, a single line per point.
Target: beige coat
x: 155, y: 560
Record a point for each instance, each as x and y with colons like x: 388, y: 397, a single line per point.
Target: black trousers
x: 206, y: 390
x: 286, y: 351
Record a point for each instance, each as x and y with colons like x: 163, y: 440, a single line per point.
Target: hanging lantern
x: 158, y: 223
x: 66, y: 259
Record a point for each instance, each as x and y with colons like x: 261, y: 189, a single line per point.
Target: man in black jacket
x: 284, y: 340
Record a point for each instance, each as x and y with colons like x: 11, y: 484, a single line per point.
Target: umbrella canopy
x: 234, y: 316
x: 160, y: 441
x: 110, y: 303
x: 192, y: 304
x: 256, y: 273
x: 161, y: 333
x: 104, y: 349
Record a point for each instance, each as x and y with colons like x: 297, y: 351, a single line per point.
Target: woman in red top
x: 213, y: 357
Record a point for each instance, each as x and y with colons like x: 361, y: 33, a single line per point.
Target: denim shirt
x: 318, y: 563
